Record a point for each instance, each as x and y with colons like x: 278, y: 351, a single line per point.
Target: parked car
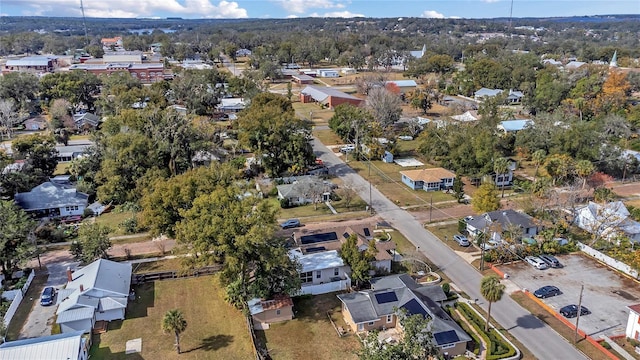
x: 461, y: 240
x: 48, y: 295
x: 551, y: 261
x: 547, y: 291
x: 488, y: 245
x: 291, y: 223
x: 536, y: 262
x: 347, y: 148
x: 571, y: 311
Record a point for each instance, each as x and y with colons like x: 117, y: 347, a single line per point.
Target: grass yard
x: 160, y: 265
x: 215, y: 330
x: 386, y: 178
x: 113, y: 220
x: 319, y: 115
x: 61, y: 168
x: 408, y: 148
x: 310, y: 334
x: 328, y: 137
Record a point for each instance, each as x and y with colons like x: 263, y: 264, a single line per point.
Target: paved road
x: 540, y: 339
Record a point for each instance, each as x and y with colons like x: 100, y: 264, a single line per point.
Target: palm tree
x: 538, y: 158
x: 501, y: 167
x: 584, y: 169
x: 492, y: 290
x: 173, y: 321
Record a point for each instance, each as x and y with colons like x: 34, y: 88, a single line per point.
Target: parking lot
x: 606, y: 293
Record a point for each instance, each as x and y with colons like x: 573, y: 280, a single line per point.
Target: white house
x: 607, y: 221
x: 322, y: 272
x: 505, y: 179
x: 51, y: 199
x: 97, y: 292
x: 70, y: 346
x: 633, y: 322
x: 328, y: 73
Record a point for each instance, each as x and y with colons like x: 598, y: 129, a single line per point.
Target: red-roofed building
x: 265, y: 312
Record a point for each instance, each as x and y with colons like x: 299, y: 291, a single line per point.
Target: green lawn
x: 327, y: 137
x: 386, y: 178
x: 310, y: 334
x: 160, y: 265
x: 61, y: 168
x: 113, y: 220
x: 215, y: 330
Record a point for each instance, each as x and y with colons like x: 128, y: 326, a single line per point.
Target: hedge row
x: 498, y: 348
x: 465, y: 327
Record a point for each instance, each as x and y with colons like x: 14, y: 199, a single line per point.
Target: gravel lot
x: 606, y: 292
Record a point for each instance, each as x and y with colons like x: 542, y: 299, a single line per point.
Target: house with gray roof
x: 86, y: 120
x: 379, y: 308
x: 97, y: 292
x: 52, y: 199
x: 405, y: 86
x: 496, y: 223
x: 486, y: 93
x: 306, y: 190
x: 69, y: 346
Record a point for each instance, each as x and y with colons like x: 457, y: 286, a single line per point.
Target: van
x: 551, y: 261
x: 536, y: 262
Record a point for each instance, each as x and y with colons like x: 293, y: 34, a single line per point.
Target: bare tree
x: 414, y: 127
x: 9, y: 117
x: 385, y: 106
x: 348, y: 192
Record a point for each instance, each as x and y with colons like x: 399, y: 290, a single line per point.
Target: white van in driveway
x: 536, y: 262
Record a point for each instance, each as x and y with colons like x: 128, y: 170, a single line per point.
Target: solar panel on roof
x: 447, y: 337
x: 413, y: 307
x: 386, y: 297
x: 312, y: 239
x: 345, y: 235
x: 315, y: 249
x: 367, y: 232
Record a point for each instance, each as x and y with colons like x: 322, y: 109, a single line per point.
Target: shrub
x: 284, y: 203
x: 130, y: 225
x: 273, y: 192
x: 446, y: 288
x: 605, y: 345
x: 87, y: 213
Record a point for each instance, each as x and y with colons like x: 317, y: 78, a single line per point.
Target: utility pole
x: 84, y: 23
x: 430, y: 207
x: 575, y: 340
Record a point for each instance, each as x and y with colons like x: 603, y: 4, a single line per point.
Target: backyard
x: 310, y: 335
x: 215, y: 330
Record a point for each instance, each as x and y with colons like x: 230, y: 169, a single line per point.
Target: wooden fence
x: 259, y: 349
x: 173, y: 274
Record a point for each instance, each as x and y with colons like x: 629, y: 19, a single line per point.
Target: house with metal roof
x: 321, y: 272
x: 97, y: 292
x: 486, y: 93
x: 69, y: 346
x: 265, y: 312
x: 380, y: 308
x: 327, y: 96
x: 51, y: 199
x: 513, y: 126
x: 428, y: 179
x: 32, y: 64
x: 405, y: 86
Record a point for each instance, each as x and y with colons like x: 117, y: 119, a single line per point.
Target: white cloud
x: 302, y: 6
x: 432, y: 14
x: 139, y: 8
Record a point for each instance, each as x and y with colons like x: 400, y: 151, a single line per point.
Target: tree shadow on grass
x: 213, y: 343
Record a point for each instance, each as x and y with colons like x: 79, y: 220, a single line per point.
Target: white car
x: 488, y: 245
x: 347, y: 148
x: 536, y: 262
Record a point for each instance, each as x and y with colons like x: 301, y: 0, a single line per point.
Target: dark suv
x: 571, y: 311
x: 551, y: 261
x: 47, y: 296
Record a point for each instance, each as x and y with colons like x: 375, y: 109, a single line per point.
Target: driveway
x: 41, y: 318
x: 606, y: 293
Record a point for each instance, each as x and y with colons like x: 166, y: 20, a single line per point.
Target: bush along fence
x: 498, y: 347
x: 173, y: 274
x: 17, y: 299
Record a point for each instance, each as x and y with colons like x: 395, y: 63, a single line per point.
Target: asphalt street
x: 539, y: 338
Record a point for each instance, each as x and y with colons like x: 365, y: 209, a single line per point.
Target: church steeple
x: 614, y: 59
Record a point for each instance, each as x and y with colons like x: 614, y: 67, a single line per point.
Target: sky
x: 196, y: 9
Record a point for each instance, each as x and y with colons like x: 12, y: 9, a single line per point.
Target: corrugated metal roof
x: 56, y: 347
x: 321, y: 94
x: 75, y: 315
x: 31, y: 61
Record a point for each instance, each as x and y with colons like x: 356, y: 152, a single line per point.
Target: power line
x: 84, y: 22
